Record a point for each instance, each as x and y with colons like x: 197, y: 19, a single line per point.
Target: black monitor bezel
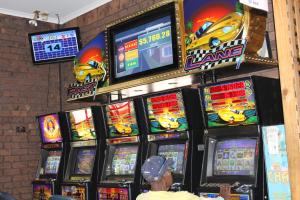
x: 75, y: 154
x: 219, y: 134
x: 77, y: 31
x: 108, y: 162
x: 165, y: 10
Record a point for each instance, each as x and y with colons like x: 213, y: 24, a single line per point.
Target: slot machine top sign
x: 121, y: 119
x: 217, y: 33
x: 230, y: 104
x: 50, y: 128
x: 166, y: 113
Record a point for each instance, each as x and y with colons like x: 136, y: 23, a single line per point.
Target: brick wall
x: 27, y: 90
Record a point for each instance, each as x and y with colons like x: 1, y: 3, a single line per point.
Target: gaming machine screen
x: 143, y: 48
x: 52, y: 162
x: 124, y: 160
x: 235, y: 157
x: 174, y: 152
x: 85, y: 161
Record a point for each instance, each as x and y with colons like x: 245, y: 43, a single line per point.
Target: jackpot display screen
x: 113, y: 193
x: 50, y: 128
x: 54, y: 45
x: 52, y: 162
x: 235, y: 157
x: 145, y: 44
x: 121, y: 119
x: 230, y: 104
x: 176, y: 153
x: 76, y: 192
x: 41, y: 191
x: 166, y: 113
x: 124, y: 160
x: 82, y: 124
x: 85, y: 161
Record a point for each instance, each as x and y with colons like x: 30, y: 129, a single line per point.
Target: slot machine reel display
x: 50, y: 168
x: 86, y: 149
x: 235, y: 112
x: 121, y: 173
x: 174, y: 128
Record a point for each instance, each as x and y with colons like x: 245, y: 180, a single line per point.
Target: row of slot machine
x: 212, y: 134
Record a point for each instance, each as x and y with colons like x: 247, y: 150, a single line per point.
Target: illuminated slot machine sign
x: 121, y: 119
x: 76, y: 192
x: 166, y: 113
x: 113, y: 193
x: 230, y: 104
x: 42, y: 191
x: 82, y: 125
x: 50, y: 128
x: 54, y: 45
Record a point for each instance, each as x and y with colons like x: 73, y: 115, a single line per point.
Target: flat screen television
x: 122, y: 160
x: 84, y: 161
x: 52, y: 162
x: 232, y: 159
x: 143, y: 45
x: 81, y: 123
x: 121, y: 119
x: 50, y: 128
x: 176, y: 153
x: 166, y: 113
x: 54, y: 45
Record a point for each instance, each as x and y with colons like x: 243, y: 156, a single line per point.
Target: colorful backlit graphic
x: 230, y: 104
x: 121, y: 119
x: 82, y: 125
x: 166, y: 113
x: 76, y: 192
x: 50, y: 128
x: 42, y: 191
x: 209, y: 24
x: 143, y: 48
x: 90, y: 62
x: 235, y: 157
x: 113, y: 194
x: 85, y: 161
x: 52, y: 162
x: 176, y: 153
x: 124, y: 160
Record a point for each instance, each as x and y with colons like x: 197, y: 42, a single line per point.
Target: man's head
x: 156, y: 171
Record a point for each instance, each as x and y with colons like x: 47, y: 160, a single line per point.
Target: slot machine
x: 86, y: 149
x: 121, y: 173
x: 234, y: 113
x: 174, y: 131
x: 53, y: 151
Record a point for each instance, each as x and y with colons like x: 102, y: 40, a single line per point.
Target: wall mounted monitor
x: 175, y: 152
x: 143, y: 45
x: 81, y: 123
x: 55, y: 45
x: 121, y: 119
x: 84, y: 161
x: 232, y: 159
x: 52, y: 162
x: 50, y: 128
x: 230, y: 103
x: 166, y: 113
